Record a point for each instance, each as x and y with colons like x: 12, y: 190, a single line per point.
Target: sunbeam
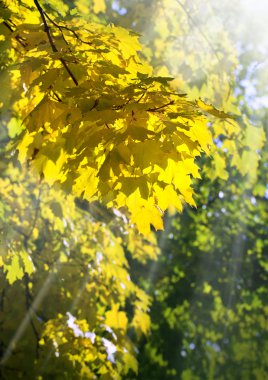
x: 30, y: 313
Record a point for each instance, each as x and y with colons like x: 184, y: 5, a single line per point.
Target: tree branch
x: 2, y: 300
x: 198, y: 27
x: 53, y: 46
x: 18, y: 38
x: 60, y: 27
x: 37, y: 208
x: 158, y: 108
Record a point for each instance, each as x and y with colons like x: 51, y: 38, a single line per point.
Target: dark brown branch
x: 46, y: 27
x: 20, y: 231
x: 18, y: 38
x: 60, y: 27
x: 158, y: 108
x: 8, y: 26
x: 142, y: 95
x: 53, y: 46
x: 2, y: 300
x: 96, y: 102
x: 120, y: 106
x: 57, y: 96
x: 57, y: 26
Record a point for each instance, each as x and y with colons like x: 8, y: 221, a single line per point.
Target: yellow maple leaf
x: 14, y: 270
x: 116, y: 319
x: 144, y: 213
x: 141, y: 321
x: 99, y: 6
x: 167, y: 197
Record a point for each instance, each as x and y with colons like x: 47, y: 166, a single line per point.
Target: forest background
x: 133, y: 218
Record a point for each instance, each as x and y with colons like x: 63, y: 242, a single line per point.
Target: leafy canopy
x: 92, y: 118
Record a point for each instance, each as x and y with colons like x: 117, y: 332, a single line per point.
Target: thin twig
x: 53, y: 46
x: 60, y: 27
x: 40, y: 316
x: 57, y: 97
x: 158, y: 108
x: 96, y: 102
x: 142, y: 95
x: 198, y: 27
x: 37, y: 208
x: 2, y: 300
x: 18, y: 38
x: 206, y: 39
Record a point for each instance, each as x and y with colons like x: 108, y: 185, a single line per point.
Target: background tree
x: 210, y: 303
